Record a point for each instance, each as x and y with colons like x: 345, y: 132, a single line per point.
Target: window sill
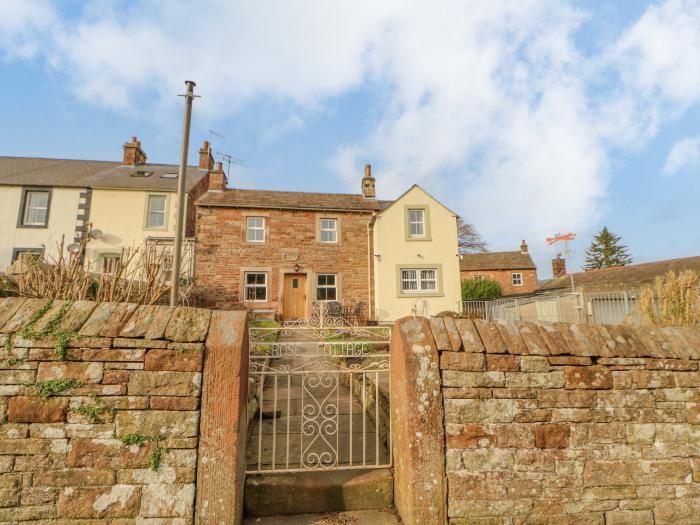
x: 419, y: 294
x: 33, y: 226
x: 418, y: 239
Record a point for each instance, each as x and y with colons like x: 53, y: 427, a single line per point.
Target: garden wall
x: 100, y: 408
x: 557, y: 423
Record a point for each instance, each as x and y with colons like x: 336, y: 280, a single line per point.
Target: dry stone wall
x: 568, y: 424
x: 100, y: 409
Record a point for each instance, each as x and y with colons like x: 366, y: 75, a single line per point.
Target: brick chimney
x: 206, y: 161
x: 368, y: 191
x: 133, y: 154
x: 558, y: 266
x: 217, y: 178
x: 523, y: 247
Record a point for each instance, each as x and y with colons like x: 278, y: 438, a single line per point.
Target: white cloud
x: 24, y: 26
x: 491, y: 103
x: 660, y: 53
x: 684, y: 154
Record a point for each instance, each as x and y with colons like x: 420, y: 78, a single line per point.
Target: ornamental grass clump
x: 140, y: 275
x: 672, y: 300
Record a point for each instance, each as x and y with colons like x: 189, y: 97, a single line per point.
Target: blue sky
x: 526, y: 117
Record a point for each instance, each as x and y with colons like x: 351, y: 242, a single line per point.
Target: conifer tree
x: 606, y: 251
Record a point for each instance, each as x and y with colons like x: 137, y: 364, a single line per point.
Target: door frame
x: 291, y: 271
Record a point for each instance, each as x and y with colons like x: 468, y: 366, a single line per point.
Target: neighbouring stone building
x: 129, y: 202
x: 514, y: 271
x: 621, y: 278
x: 278, y: 252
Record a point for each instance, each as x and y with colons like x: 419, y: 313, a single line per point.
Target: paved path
x: 334, y: 420
x: 358, y: 517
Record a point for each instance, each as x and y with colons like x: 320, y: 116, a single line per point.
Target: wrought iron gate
x: 323, y: 396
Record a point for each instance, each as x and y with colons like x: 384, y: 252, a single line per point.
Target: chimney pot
x: 133, y: 153
x: 368, y: 190
x: 206, y: 161
x: 217, y: 178
x: 523, y: 247
x: 558, y: 266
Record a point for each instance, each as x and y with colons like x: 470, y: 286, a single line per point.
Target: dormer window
x: 141, y: 173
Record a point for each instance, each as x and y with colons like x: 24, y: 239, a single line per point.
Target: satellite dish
x: 96, y: 234
x: 74, y: 247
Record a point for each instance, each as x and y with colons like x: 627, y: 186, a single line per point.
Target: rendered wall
x: 394, y: 249
x: 63, y: 211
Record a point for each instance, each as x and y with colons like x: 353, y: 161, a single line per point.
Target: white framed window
x: 35, y: 208
x: 110, y: 263
x: 419, y: 280
x: 255, y: 286
x: 167, y: 266
x: 156, y: 212
x: 416, y: 222
x: 478, y: 277
x: 326, y: 287
x: 516, y: 278
x: 255, y: 229
x: 27, y: 254
x: 329, y: 230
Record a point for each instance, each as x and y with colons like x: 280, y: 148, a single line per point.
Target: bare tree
x: 468, y: 239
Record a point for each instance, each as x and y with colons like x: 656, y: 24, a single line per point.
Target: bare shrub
x: 673, y: 299
x: 141, y: 275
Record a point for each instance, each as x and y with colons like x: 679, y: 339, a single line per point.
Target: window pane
x: 255, y: 229
x: 328, y: 236
x: 416, y: 222
x: 35, y: 207
x: 157, y: 203
x: 156, y: 211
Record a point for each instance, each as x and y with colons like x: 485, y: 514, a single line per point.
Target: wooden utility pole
x: 182, y: 176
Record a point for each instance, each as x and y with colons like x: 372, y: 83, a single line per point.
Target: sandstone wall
x: 568, y: 424
x: 137, y: 374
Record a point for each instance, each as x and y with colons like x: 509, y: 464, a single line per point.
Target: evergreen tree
x: 606, y: 251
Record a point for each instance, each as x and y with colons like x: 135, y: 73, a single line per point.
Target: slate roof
x: 96, y: 174
x: 623, y: 277
x: 496, y: 261
x: 291, y: 200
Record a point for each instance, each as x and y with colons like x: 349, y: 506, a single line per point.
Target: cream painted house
x: 416, y: 262
x: 45, y: 201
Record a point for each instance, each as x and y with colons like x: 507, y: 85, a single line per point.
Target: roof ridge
x: 118, y: 163
x: 304, y: 192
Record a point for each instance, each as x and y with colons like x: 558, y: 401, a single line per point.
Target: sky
x: 525, y: 117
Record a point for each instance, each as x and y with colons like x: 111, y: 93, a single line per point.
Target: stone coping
x: 100, y: 324
x: 564, y: 339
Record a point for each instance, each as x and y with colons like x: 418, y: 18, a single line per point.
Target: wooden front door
x: 294, y: 298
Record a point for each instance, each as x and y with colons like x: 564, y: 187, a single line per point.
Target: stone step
x: 318, y: 491
x: 357, y: 517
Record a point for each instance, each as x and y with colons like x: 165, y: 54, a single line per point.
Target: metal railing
x: 573, y: 307
x: 323, y: 396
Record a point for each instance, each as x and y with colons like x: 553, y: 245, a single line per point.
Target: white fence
x: 599, y: 308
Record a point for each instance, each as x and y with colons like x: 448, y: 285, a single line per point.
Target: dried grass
x: 673, y: 299
x: 140, y: 276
